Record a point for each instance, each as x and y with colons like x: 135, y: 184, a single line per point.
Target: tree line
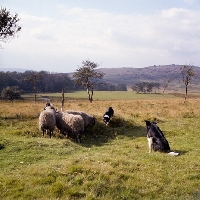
x: 30, y: 81
x: 146, y: 87
x: 187, y: 73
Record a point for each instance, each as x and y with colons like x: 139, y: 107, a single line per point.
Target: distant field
x: 103, y: 95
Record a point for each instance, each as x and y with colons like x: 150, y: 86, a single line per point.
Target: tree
x: 8, y: 25
x: 139, y: 87
x: 187, y: 73
x: 165, y: 85
x: 121, y: 87
x: 11, y: 93
x: 156, y: 86
x: 86, y: 76
x: 145, y: 87
x: 34, y: 78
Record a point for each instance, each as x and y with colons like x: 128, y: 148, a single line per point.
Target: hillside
x: 160, y: 74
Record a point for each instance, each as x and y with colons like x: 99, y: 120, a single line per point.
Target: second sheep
x: 69, y: 123
x: 88, y: 119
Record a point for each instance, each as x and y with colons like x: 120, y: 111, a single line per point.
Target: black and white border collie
x: 107, y: 115
x: 156, y: 139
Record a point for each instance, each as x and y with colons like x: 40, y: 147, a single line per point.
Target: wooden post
x: 63, y: 99
x: 34, y: 93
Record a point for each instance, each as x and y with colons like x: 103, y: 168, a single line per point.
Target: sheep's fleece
x: 88, y: 119
x: 47, y: 120
x: 69, y: 123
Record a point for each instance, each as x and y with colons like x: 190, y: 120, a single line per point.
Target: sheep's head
x: 58, y: 112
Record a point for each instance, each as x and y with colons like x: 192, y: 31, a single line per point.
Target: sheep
x: 69, y: 123
x: 88, y: 119
x: 47, y: 120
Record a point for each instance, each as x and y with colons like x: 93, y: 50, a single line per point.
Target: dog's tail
x: 172, y: 153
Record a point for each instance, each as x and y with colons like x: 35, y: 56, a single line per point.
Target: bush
x: 11, y: 93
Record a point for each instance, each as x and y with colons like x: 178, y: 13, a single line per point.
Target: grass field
x: 112, y: 162
x: 101, y: 95
x: 110, y: 95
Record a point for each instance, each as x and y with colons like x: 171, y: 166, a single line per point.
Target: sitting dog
x: 156, y: 139
x: 107, y: 115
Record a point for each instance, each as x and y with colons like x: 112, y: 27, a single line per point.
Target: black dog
x: 107, y: 115
x: 156, y: 138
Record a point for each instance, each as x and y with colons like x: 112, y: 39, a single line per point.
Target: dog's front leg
x: 150, y: 143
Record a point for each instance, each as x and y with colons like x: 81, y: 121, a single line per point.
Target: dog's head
x: 153, y: 130
x: 110, y: 111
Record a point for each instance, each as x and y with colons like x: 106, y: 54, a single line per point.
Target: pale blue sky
x: 47, y: 7
x: 58, y: 34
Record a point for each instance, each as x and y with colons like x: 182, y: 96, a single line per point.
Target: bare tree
x: 165, y: 85
x: 8, y: 25
x: 86, y: 76
x: 187, y: 73
x: 34, y: 79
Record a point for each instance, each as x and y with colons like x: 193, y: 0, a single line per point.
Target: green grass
x: 101, y: 95
x: 109, y: 95
x: 112, y: 162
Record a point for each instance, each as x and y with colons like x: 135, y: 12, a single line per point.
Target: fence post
x: 63, y: 99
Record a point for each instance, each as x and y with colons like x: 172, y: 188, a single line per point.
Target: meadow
x: 111, y: 162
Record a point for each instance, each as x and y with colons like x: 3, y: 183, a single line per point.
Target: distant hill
x: 12, y: 70
x: 130, y: 76
x: 159, y: 74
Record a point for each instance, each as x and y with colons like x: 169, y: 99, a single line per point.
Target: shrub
x: 11, y: 93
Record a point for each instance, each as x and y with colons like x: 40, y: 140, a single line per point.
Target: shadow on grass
x: 2, y: 146
x: 18, y: 117
x: 180, y: 152
x: 118, y: 127
x: 96, y: 135
x: 196, y: 194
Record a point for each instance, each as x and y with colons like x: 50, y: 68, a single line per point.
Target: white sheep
x: 47, y: 120
x: 88, y: 119
x: 69, y: 123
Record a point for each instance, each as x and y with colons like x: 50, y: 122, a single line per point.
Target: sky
x: 57, y: 35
